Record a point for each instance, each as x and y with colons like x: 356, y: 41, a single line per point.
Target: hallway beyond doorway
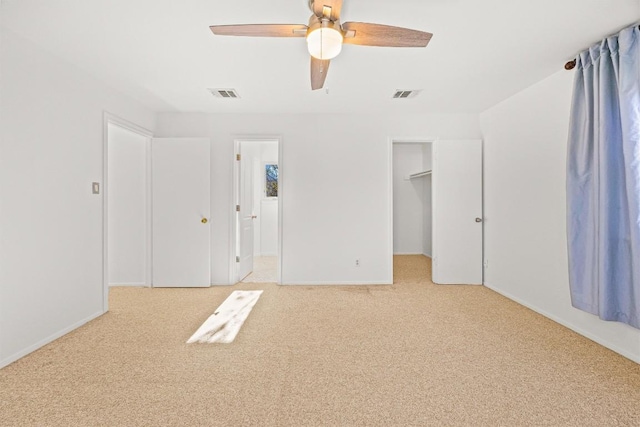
x: 265, y: 270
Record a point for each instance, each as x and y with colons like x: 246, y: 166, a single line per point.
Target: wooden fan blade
x: 384, y: 35
x: 335, y: 5
x: 319, y: 69
x: 261, y: 30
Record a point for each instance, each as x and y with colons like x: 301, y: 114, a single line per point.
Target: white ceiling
x: 162, y: 53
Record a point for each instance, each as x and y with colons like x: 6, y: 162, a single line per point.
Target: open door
x: 181, y: 203
x: 245, y: 218
x: 457, y: 212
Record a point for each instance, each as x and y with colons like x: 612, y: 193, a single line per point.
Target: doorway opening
x: 438, y: 214
x: 126, y: 205
x: 257, y: 207
x: 412, y: 162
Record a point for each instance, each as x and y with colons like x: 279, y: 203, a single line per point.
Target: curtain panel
x: 603, y: 180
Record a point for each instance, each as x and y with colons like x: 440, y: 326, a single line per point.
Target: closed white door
x: 181, y: 204
x: 457, y: 212
x: 245, y: 218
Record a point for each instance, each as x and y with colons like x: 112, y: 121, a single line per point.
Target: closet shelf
x: 419, y: 174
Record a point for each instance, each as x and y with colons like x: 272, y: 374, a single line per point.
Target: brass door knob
x: 204, y: 220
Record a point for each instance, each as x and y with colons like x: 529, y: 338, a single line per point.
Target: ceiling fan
x: 325, y: 35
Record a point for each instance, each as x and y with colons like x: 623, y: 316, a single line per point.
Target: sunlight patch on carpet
x: 224, y: 324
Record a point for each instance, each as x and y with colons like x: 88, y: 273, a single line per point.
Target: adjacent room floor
x: 413, y: 353
x: 265, y: 270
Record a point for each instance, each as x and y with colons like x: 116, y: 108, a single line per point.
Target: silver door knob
x: 478, y: 219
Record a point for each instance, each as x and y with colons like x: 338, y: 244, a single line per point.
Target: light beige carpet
x: 409, y: 354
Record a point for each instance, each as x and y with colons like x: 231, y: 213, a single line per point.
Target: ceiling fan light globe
x: 324, y: 43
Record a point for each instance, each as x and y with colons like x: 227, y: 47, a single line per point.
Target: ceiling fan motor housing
x: 324, y: 38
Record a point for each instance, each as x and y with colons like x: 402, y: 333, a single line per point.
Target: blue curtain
x: 603, y: 180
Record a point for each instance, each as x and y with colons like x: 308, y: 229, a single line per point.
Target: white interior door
x: 245, y: 218
x: 457, y: 212
x: 181, y: 204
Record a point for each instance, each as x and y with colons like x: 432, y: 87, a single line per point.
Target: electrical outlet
x: 357, y: 263
x: 486, y: 263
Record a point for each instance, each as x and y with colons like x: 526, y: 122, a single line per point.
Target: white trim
x: 107, y: 119
x: 123, y: 123
x: 140, y: 284
x: 413, y: 140
x: 149, y: 214
x: 235, y: 191
x: 390, y: 208
x: 410, y: 253
x: 233, y: 220
x: 281, y: 186
x: 8, y: 360
x: 342, y: 283
x: 581, y: 331
x: 398, y: 140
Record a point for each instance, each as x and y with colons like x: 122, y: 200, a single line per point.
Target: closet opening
x: 126, y: 205
x: 412, y: 162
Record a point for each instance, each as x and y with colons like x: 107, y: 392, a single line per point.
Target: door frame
x: 391, y: 141
x: 112, y: 119
x: 235, y: 192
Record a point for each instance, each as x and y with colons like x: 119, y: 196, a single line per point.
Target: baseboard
x: 129, y: 284
x: 342, y: 283
x: 408, y: 253
x: 7, y: 361
x: 581, y: 331
x: 427, y: 255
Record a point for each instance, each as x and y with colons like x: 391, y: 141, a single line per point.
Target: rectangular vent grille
x: 224, y: 93
x: 402, y: 94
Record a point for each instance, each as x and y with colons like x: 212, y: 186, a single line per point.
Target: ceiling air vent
x: 401, y: 94
x: 224, y: 93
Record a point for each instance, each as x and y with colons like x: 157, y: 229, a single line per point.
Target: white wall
x: 268, y: 227
x: 51, y: 149
x: 127, y: 196
x: 335, y: 185
x: 525, y: 209
x: 411, y: 199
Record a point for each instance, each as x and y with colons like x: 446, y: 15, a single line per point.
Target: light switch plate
x: 95, y: 188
